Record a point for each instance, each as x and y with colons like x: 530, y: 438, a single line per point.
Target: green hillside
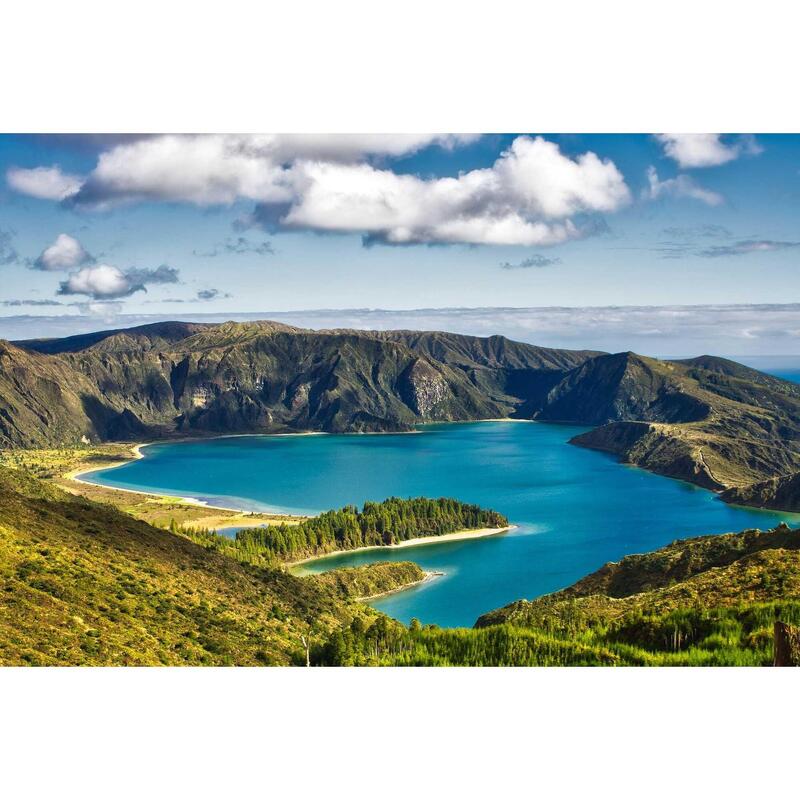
x: 84, y: 584
x: 705, y: 601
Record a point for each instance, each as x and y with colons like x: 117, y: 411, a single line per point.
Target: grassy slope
x: 59, y: 464
x: 83, y: 583
x: 705, y: 601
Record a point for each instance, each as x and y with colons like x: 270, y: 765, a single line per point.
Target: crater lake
x: 574, y: 509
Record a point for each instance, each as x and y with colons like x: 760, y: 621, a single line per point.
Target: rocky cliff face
x: 423, y: 388
x: 181, y: 377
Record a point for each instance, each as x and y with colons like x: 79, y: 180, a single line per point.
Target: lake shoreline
x: 76, y: 475
x: 429, y: 576
x: 421, y: 541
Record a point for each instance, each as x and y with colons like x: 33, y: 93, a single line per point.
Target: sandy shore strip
x: 478, y: 533
x: 243, y: 521
x: 429, y: 576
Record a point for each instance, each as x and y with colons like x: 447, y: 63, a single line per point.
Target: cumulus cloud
x: 8, y: 253
x: 528, y: 197
x: 103, y: 280
x: 690, y: 150
x: 237, y: 246
x: 45, y: 183
x: 679, y: 186
x: 204, y: 170
x: 745, y: 247
x: 106, y: 282
x: 532, y: 195
x: 537, y: 260
x: 66, y: 252
x: 352, y: 146
x: 212, y: 169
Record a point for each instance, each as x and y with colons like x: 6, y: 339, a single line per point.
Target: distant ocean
x: 786, y: 367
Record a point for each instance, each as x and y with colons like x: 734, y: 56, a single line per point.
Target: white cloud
x: 352, y: 146
x: 679, y: 186
x: 705, y: 149
x: 46, y: 183
x: 529, y: 196
x: 105, y: 281
x: 204, y: 170
x: 219, y: 169
x: 101, y: 281
x: 65, y: 253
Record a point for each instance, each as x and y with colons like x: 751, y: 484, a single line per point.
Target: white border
x: 430, y: 733
x: 417, y: 66
x: 355, y: 65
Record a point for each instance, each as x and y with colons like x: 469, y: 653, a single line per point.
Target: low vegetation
x: 84, y: 584
x: 710, y: 601
x: 372, y: 580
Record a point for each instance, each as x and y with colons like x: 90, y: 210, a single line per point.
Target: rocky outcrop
x: 781, y: 493
x: 657, y: 448
x: 423, y: 388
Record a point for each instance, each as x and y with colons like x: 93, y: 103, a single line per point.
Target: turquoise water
x: 574, y: 509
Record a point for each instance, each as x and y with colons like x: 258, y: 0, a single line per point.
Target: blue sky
x: 179, y: 226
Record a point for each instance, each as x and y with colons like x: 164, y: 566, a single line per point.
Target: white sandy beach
x: 422, y: 540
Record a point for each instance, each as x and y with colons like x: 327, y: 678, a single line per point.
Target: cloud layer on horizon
x: 665, y: 331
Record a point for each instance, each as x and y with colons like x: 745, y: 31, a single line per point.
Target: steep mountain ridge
x: 267, y: 376
x: 707, y: 420
x: 621, y: 386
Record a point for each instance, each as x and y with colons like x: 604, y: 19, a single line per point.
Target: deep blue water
x: 575, y: 509
x: 787, y: 374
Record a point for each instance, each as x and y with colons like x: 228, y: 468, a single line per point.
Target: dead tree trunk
x: 787, y: 645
